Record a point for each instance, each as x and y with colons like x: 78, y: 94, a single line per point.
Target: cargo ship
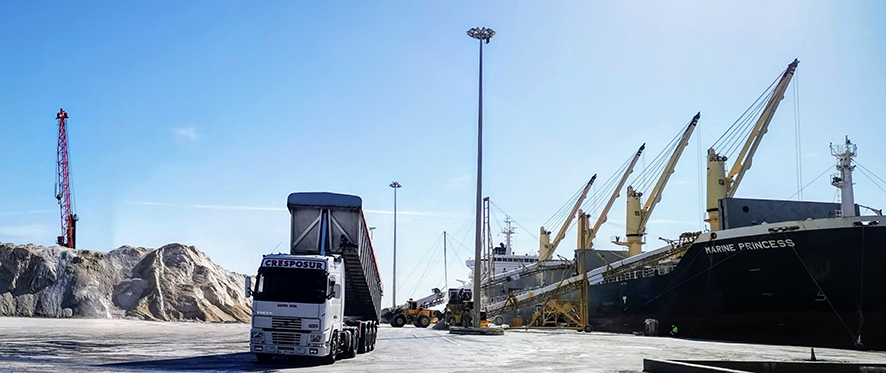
x: 777, y: 272
x: 767, y: 271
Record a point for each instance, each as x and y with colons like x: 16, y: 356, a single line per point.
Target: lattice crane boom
x: 63, y: 186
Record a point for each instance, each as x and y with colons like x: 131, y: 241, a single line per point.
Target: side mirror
x: 248, y: 289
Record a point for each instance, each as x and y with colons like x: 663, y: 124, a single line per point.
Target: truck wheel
x: 362, y: 341
x: 333, y: 349
x: 588, y: 328
x: 423, y: 321
x: 373, y: 336
x: 263, y: 358
x: 351, y: 346
x: 498, y: 320
x: 398, y: 321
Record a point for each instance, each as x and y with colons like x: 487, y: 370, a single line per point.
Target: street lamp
x: 396, y: 186
x: 481, y: 34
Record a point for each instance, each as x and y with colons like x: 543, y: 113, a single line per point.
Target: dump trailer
x: 323, y: 299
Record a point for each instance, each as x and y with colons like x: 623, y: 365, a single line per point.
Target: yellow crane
x: 546, y: 248
x: 586, y: 237
x: 721, y: 185
x: 637, y: 217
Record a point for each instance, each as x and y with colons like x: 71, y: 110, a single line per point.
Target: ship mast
x: 508, y: 231
x: 843, y: 180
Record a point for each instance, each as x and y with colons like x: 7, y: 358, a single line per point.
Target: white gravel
x: 90, y: 345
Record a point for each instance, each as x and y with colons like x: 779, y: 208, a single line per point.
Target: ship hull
x: 822, y: 287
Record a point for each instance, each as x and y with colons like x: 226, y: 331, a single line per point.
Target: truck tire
x: 398, y: 321
x: 362, y: 341
x: 423, y: 321
x: 263, y: 358
x: 373, y: 336
x: 588, y: 328
x: 333, y: 349
x: 350, y: 343
x: 498, y: 320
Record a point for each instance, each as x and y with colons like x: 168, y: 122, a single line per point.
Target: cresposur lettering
x: 748, y: 246
x: 292, y: 263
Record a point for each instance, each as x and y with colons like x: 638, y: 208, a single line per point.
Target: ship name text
x: 753, y: 245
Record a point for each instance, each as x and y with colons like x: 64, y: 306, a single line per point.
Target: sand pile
x: 175, y: 282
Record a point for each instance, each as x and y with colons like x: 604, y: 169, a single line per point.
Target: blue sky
x: 191, y: 122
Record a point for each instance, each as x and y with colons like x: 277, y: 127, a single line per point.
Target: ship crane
x: 546, y: 248
x: 63, y: 186
x: 720, y: 185
x: 637, y: 217
x: 586, y: 234
x: 586, y: 237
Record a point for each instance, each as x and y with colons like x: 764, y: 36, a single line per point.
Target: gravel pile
x: 172, y: 283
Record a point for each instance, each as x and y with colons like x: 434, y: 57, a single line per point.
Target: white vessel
x: 503, y: 258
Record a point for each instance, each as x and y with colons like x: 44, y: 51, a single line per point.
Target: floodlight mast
x: 481, y: 34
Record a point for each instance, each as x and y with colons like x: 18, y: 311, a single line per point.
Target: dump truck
x: 323, y: 299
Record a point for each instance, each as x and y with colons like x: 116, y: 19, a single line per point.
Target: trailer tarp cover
x: 323, y: 199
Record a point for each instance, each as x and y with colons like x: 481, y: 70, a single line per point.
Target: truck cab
x: 297, y: 303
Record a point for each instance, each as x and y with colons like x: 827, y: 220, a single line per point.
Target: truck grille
x: 285, y: 338
x: 286, y: 323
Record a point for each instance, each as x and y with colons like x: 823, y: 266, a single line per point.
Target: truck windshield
x: 291, y: 285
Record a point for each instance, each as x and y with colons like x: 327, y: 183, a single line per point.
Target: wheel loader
x: 413, y: 314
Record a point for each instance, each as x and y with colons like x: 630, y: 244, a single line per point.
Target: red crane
x: 63, y: 185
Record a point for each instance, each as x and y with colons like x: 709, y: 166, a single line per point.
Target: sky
x: 191, y: 122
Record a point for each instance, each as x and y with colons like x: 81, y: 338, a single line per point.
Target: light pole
x: 483, y: 35
x: 396, y: 186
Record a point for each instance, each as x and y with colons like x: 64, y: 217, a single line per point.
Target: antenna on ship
x: 843, y: 180
x: 508, y: 231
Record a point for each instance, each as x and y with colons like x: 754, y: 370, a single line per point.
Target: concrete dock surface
x: 94, y: 345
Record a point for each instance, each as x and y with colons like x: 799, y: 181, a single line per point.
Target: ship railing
x: 641, y: 273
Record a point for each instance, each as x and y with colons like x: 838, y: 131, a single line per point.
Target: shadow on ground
x: 244, y: 362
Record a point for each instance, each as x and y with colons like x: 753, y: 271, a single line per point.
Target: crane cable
x: 797, y: 139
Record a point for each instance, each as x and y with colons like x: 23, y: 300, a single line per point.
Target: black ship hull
x: 821, y: 288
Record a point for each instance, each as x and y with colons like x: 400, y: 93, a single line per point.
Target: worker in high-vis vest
x: 673, y: 330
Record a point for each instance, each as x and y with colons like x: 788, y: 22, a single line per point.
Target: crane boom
x: 655, y: 198
x: 546, y: 249
x: 638, y: 216
x: 721, y: 185
x: 605, y: 212
x: 743, y: 162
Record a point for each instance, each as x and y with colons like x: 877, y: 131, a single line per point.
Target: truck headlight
x: 316, y: 338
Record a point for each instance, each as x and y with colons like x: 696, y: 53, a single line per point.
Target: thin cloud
x: 211, y: 207
x: 189, y: 132
x: 414, y: 213
x: 28, y: 212
x: 24, y: 231
x: 261, y: 208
